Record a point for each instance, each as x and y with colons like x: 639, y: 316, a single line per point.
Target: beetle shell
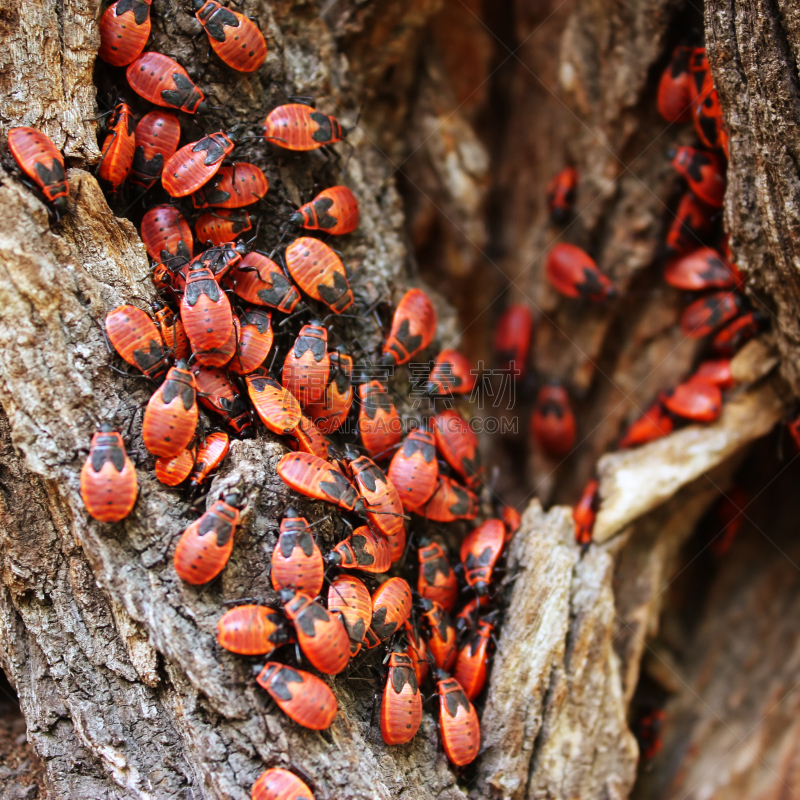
x: 170, y: 419
x: 471, y: 662
x: 164, y: 82
x: 692, y: 222
x: 708, y: 313
x: 210, y: 454
x: 696, y: 399
x: 573, y: 273
x: 401, y: 704
x: 442, y: 641
x: 458, y: 723
x: 379, y: 424
x: 319, y: 272
x: 704, y: 172
x: 674, y: 98
x: 136, y: 339
x: 276, y: 407
x: 234, y: 38
x: 206, y: 545
x: 195, y: 164
x: 307, y: 365
x: 300, y: 695
x: 309, y: 439
x: 252, y: 630
x: 414, y: 469
x: 728, y: 340
x: 117, y: 153
x: 701, y: 269
x: 41, y: 161
x: 436, y: 579
x: 279, y: 784
x: 451, y: 374
x: 167, y: 237
x: 109, y: 486
x: 468, y: 616
x: 413, y: 328
x: 300, y: 127
x: 511, y: 519
x: 234, y: 186
x: 172, y: 332
x: 479, y: 553
x: 391, y: 607
x: 332, y: 410
x: 561, y: 194
x: 553, y: 423
x: 584, y: 513
x: 652, y: 425
x: 351, y: 599
x: 255, y: 341
x: 417, y: 651
x: 173, y: 471
x: 218, y: 394
x: 205, y: 310
x: 458, y: 444
x: 260, y: 281
x: 313, y: 477
x: 512, y: 338
x: 333, y: 210
x: 450, y: 502
x: 363, y: 550
x: 124, y: 31
x: 156, y: 140
x: 222, y: 225
x: 296, y: 559
x: 321, y: 634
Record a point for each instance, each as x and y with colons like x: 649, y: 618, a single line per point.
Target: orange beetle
x: 124, y: 30
x: 309, y: 439
x: 652, y: 425
x: 252, y: 630
x: 313, y: 477
x: 260, y: 281
x: 42, y: 162
x: 472, y: 657
x: 235, y: 186
x: 584, y: 513
x: 675, y: 91
x: 156, y: 140
x: 164, y: 82
x: 553, y: 423
x: 512, y: 338
x: 333, y: 210
x: 210, y: 454
x: 172, y: 471
x: 217, y: 393
x: 479, y: 553
x: 254, y: 343
x: 136, y: 339
x: 235, y: 38
x: 118, y: 146
x: 436, y: 579
x: 205, y: 310
x: 458, y: 444
x: 171, y: 328
x: 297, y: 126
x: 696, y: 399
x: 413, y: 328
x: 704, y: 172
x: 321, y: 634
x: 450, y: 502
x: 573, y: 273
x: 414, y: 469
x: 511, y: 519
x: 195, y: 164
x: 167, y: 237
x: 279, y: 784
x: 442, y: 641
x: 300, y: 695
x: 206, y: 545
x: 561, y: 194
x: 417, y: 651
x: 222, y: 225
x: 718, y: 372
x: 391, y: 607
x: 458, y: 721
x: 332, y: 410
x: 468, y: 616
x: 691, y: 223
x: 703, y: 268
x: 348, y: 596
x: 451, y: 374
x: 319, y: 272
x: 296, y: 559
x: 307, y: 365
x: 170, y: 419
x: 401, y: 705
x: 379, y: 423
x: 276, y: 407
x: 363, y: 550
x: 109, y: 486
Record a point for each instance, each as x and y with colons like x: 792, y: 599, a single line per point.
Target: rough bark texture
x: 469, y: 109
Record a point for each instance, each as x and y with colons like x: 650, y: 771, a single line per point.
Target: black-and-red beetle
x: 561, y: 194
x: 195, y: 164
x: 109, y: 486
x: 296, y: 126
x: 334, y: 210
x: 156, y: 140
x: 296, y: 559
x: 234, y: 37
x: 42, y: 162
x: 553, y: 423
x: 574, y: 273
x: 164, y: 82
x: 124, y: 31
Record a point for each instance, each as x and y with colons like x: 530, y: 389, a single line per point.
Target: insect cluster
x: 209, y: 342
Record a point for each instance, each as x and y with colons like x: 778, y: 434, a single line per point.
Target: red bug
x: 511, y: 519
x: 210, y: 454
x: 276, y: 407
x: 218, y: 394
x: 391, y: 607
x: 222, y: 225
x: 710, y: 312
x: 171, y: 329
x: 574, y: 273
x: 414, y: 469
x: 379, y: 424
x: 692, y: 222
x: 332, y: 410
x: 364, y: 550
x: 156, y: 140
x: 118, y: 146
x: 42, y: 162
x: 164, y: 82
x: 450, y: 502
x: 170, y: 418
x: 321, y: 634
x: 109, y: 486
x: 561, y: 194
x: 417, y: 651
x: 468, y: 616
x: 234, y: 38
x: 512, y: 337
x: 451, y: 374
x: 703, y: 171
x: 279, y: 784
x: 653, y: 424
x: 383, y: 507
x: 313, y: 477
x: 307, y: 364
x: 136, y: 339
x: 124, y: 31
x: 480, y: 551
x: 717, y: 371
x: 648, y: 732
x: 319, y: 272
x: 584, y: 513
x: 458, y: 444
x: 413, y: 328
x: 442, y: 641
x: 333, y: 210
x: 221, y: 258
x: 401, y: 705
x: 296, y: 559
x: 175, y: 470
x: 728, y: 341
x: 458, y: 721
x: 300, y: 695
x: 702, y: 269
x: 696, y: 399
x: 471, y: 661
x: 436, y: 579
x: 255, y: 341
x: 195, y: 164
x: 553, y: 423
x: 350, y: 597
x: 675, y: 89
x: 167, y: 237
x: 300, y: 127
x: 235, y: 186
x: 252, y: 630
x: 205, y: 310
x: 206, y: 545
x: 260, y: 281
x: 706, y: 109
x: 220, y: 356
x: 794, y: 430
x: 309, y: 439
x: 728, y: 517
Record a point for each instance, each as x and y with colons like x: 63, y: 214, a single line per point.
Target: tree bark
x: 469, y: 110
